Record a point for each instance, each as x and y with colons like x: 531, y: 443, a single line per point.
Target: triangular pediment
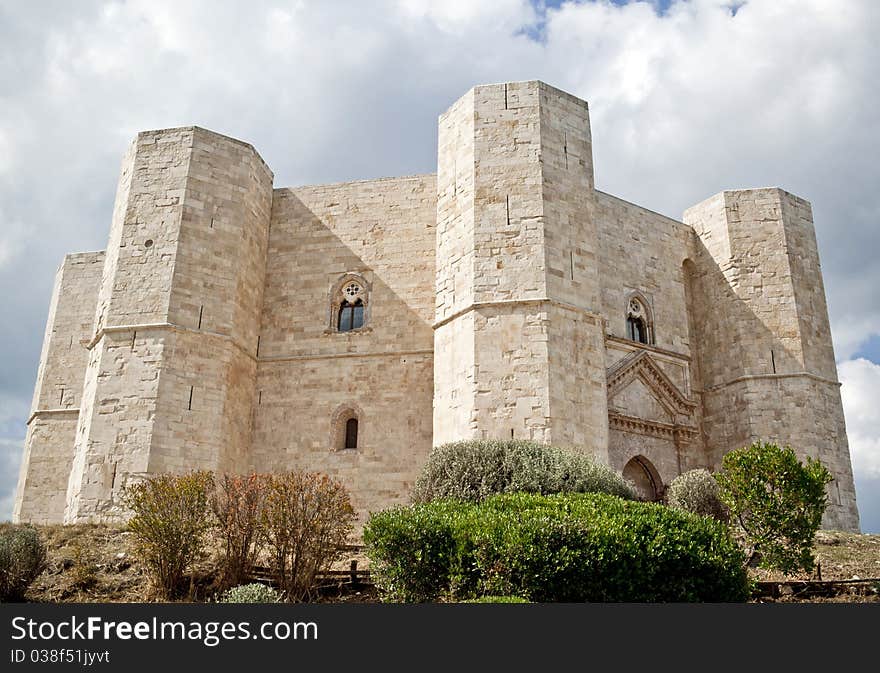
x: 638, y: 387
x: 639, y: 400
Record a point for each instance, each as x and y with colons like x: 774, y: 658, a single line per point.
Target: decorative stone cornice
x: 630, y: 344
x: 641, y: 426
x: 594, y: 318
x: 65, y: 411
x: 758, y: 377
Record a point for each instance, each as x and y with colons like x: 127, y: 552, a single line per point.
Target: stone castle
x: 348, y: 328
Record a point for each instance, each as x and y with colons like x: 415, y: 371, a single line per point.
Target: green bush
x: 475, y: 469
x: 22, y: 558
x: 251, y: 593
x: 171, y: 518
x: 569, y: 547
x: 497, y: 599
x: 697, y: 491
x: 776, y: 501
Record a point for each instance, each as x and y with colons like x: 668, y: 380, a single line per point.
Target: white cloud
x: 861, y: 381
x: 683, y: 105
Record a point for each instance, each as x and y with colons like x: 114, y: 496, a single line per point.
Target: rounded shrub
x: 251, y: 593
x: 557, y: 548
x: 776, y: 501
x: 475, y: 469
x: 697, y: 491
x: 22, y: 559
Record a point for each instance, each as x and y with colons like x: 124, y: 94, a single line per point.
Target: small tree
x: 171, y: 517
x: 307, y: 518
x: 777, y: 501
x: 238, y: 504
x: 696, y: 491
x: 22, y: 558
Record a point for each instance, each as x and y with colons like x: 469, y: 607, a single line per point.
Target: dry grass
x: 89, y: 563
x: 840, y: 556
x: 95, y: 564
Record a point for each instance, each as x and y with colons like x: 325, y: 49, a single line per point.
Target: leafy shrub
x: 696, y: 491
x: 251, y: 593
x: 22, y: 558
x: 171, y: 517
x: 568, y: 547
x: 475, y: 469
x: 237, y: 504
x: 307, y: 518
x: 777, y: 502
x: 497, y: 599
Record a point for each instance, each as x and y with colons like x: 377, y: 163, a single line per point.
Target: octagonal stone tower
x: 518, y: 343
x: 503, y: 297
x: 765, y: 351
x: 169, y: 383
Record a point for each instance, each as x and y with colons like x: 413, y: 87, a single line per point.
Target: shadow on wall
x: 311, y: 377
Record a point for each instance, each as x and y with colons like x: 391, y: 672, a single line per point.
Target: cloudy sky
x: 686, y: 99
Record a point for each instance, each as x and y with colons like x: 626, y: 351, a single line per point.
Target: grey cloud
x: 683, y: 106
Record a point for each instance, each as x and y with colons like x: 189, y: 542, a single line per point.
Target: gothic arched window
x: 349, y: 304
x: 638, y: 321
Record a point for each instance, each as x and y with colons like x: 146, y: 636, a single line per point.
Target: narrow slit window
x: 351, y: 433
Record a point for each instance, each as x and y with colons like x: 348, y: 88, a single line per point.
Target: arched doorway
x: 645, y: 478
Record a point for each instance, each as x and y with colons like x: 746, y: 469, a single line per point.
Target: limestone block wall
x: 495, y: 295
x: 526, y: 225
x: 491, y: 225
x: 207, y: 388
x: 183, y: 271
x: 310, y: 375
x: 767, y: 368
x: 576, y: 349
x: 576, y: 380
x: 48, y: 450
x: 643, y: 253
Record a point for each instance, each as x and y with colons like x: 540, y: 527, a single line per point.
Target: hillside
x: 95, y: 563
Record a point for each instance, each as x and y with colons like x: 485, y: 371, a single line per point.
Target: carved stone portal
x: 651, y: 421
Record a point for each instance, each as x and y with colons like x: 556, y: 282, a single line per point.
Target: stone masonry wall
x: 495, y: 297
x: 644, y: 252
x: 170, y: 381
x: 767, y: 367
x: 52, y: 425
x: 310, y: 375
x: 207, y: 388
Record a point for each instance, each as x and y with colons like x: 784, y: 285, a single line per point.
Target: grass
x: 94, y: 563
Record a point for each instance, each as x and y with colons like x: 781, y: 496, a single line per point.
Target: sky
x: 687, y: 98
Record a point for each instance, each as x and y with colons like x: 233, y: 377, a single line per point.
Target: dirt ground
x: 95, y: 563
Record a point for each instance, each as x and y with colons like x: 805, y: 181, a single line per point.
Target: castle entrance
x: 644, y: 476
